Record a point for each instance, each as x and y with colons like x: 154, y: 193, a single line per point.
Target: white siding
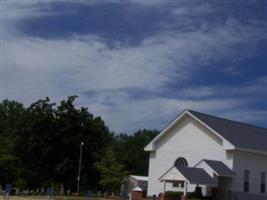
x: 190, y: 140
x: 255, y: 163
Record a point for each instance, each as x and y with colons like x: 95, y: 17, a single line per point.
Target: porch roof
x: 220, y: 168
x: 197, y: 176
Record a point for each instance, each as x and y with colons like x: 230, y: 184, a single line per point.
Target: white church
x: 201, y: 150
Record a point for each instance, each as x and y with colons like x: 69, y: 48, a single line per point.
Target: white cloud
x: 18, y: 10
x: 232, y: 71
x: 198, y: 92
x: 37, y: 67
x: 245, y: 115
x: 126, y: 114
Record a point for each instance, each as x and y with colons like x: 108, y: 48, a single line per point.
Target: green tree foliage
x: 39, y: 146
x: 35, y: 144
x: 11, y: 113
x: 129, y: 150
x: 111, y: 171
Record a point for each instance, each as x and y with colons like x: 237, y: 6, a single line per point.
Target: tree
x: 111, y: 171
x: 48, y: 143
x: 35, y: 144
x: 11, y: 113
x: 74, y: 126
x: 129, y: 150
x: 39, y: 146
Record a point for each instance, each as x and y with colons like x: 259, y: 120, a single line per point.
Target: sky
x: 138, y: 63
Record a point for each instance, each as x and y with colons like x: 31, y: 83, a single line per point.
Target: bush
x: 21, y: 184
x: 170, y: 195
x: 197, y: 194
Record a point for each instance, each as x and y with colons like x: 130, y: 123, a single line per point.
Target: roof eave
x: 150, y: 146
x: 161, y: 177
x: 251, y: 150
x: 227, y: 145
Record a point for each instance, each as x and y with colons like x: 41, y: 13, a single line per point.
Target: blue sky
x: 138, y: 63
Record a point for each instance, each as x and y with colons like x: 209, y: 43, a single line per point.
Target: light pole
x: 79, y: 168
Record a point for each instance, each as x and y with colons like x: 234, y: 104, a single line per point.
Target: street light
x: 79, y: 168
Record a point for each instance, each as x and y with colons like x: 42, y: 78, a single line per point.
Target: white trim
x: 139, y: 178
x: 216, y: 173
x: 225, y: 141
x: 251, y: 150
x: 151, y: 147
x: 161, y: 177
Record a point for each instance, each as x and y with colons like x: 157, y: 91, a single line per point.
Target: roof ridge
x: 230, y: 120
x: 211, y: 160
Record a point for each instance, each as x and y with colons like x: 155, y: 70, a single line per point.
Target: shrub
x: 170, y: 195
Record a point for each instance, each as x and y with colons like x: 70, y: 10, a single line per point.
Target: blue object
x: 124, y: 196
x: 50, y: 191
x: 8, y: 188
x: 154, y: 197
x: 89, y: 194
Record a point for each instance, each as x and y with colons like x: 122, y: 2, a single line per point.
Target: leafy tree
x: 76, y: 125
x: 129, y: 150
x: 39, y: 146
x: 11, y: 113
x: 48, y: 144
x: 111, y: 171
x: 35, y: 142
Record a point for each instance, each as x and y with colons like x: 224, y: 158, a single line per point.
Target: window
x: 182, y: 184
x: 246, y: 180
x: 178, y: 184
x: 263, y: 181
x: 181, y: 162
x: 175, y: 184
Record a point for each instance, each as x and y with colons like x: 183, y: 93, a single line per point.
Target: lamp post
x: 79, y: 168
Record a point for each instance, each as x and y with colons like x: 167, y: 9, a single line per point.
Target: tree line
x: 40, y: 144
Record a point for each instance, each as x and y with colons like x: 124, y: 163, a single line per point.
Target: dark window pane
x: 182, y: 184
x: 246, y: 175
x: 263, y: 188
x: 246, y: 186
x: 175, y: 184
x: 246, y: 180
x: 263, y: 181
x: 181, y: 162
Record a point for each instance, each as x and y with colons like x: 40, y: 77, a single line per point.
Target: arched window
x: 180, y: 162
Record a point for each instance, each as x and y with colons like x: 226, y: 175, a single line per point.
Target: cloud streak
x: 104, y: 76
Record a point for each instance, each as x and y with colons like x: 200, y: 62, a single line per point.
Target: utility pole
x: 79, y: 168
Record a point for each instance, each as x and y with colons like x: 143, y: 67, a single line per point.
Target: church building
x: 211, y: 153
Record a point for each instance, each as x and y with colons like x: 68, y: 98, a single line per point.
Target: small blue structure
x: 89, y: 195
x: 124, y: 196
x: 49, y: 192
x: 8, y: 189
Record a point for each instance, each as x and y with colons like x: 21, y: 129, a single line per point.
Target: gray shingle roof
x: 240, y: 134
x: 220, y: 168
x: 196, y: 176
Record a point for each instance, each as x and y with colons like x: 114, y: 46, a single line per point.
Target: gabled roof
x: 241, y: 135
x: 196, y: 176
x: 139, y: 178
x: 137, y: 189
x: 191, y: 175
x: 220, y: 168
